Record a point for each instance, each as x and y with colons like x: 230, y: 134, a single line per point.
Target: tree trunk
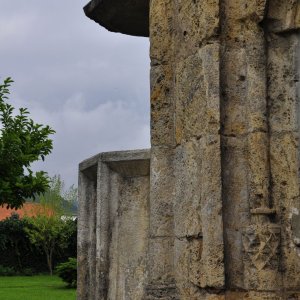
x: 49, y: 261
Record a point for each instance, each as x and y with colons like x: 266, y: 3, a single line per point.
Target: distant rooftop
x: 29, y: 209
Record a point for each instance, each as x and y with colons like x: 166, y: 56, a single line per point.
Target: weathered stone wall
x: 224, y: 106
x: 260, y: 151
x: 113, y: 226
x: 185, y: 125
x: 223, y: 216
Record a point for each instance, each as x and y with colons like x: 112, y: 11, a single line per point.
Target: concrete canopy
x: 125, y: 16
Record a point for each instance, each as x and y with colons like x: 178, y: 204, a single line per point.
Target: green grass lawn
x: 35, y: 288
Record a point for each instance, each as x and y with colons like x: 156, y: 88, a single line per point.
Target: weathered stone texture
x: 191, y: 89
x: 222, y: 218
x: 283, y: 77
x: 162, y: 191
x: 161, y: 237
x: 260, y: 107
x: 187, y: 206
x: 86, y: 255
x: 261, y: 247
x: 129, y: 235
x: 162, y: 106
x: 197, y: 94
x: 195, y: 23
x: 114, y: 226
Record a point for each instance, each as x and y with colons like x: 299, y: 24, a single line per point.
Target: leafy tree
x: 24, y: 257
x: 49, y: 233
x: 57, y: 200
x: 21, y: 143
x: 13, y: 238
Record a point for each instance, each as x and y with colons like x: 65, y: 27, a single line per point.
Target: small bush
x: 7, y: 271
x: 67, y: 271
x: 28, y: 272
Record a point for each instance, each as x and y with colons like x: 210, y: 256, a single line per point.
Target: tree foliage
x: 12, y: 237
x: 22, y: 142
x: 67, y: 271
x: 49, y: 233
x: 51, y: 230
x: 19, y: 254
x: 58, y: 200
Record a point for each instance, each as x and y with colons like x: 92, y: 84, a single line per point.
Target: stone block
x: 261, y: 246
x: 197, y: 94
x: 283, y: 75
x: 243, y: 10
x: 234, y: 88
x: 161, y: 292
x: 187, y: 200
x: 284, y: 168
x: 259, y: 169
x: 162, y: 106
x: 161, y: 261
x: 236, y: 210
x: 198, y: 211
x: 196, y: 23
x: 188, y: 254
x: 161, y: 192
x: 283, y: 16
x: 252, y: 295
x: 161, y: 31
x: 290, y: 264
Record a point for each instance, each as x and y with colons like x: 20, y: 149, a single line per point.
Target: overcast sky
x: 90, y: 85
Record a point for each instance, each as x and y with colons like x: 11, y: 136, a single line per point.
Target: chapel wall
x: 219, y: 208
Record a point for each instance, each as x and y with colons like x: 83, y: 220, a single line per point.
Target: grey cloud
x: 91, y: 85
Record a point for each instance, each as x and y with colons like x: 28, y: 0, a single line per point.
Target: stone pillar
x: 283, y: 53
x: 245, y: 137
x: 113, y: 225
x: 260, y: 152
x: 186, y: 160
x: 161, y: 283
x: 86, y: 250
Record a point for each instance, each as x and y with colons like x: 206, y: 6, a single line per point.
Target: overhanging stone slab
x: 128, y: 163
x: 125, y: 16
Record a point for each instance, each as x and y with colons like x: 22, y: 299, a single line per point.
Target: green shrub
x: 28, y: 272
x: 7, y: 271
x: 67, y: 271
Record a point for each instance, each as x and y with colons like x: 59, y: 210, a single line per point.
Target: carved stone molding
x: 261, y: 246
